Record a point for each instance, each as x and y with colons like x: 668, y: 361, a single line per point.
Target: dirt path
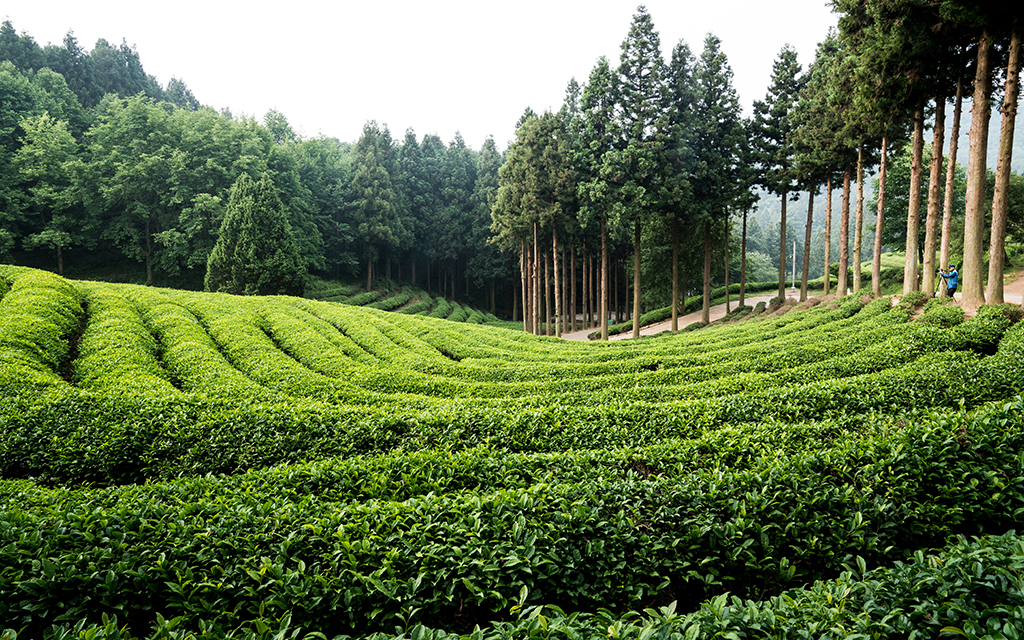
x: 717, y: 312
x: 1013, y: 292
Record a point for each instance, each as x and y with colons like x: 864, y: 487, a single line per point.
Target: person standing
x: 952, y: 278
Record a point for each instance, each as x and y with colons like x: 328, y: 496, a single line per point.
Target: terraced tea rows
x: 257, y: 464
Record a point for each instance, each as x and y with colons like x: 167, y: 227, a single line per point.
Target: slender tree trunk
x: 828, y: 235
x: 1000, y: 201
x: 974, y: 219
x: 910, y: 265
x: 728, y: 308
x: 572, y: 294
x: 494, y: 300
x: 604, y: 279
x: 60, y: 260
x: 429, y: 263
x: 947, y: 204
x: 675, y: 273
x: 844, y: 236
x: 858, y: 229
x: 587, y: 319
x: 548, y: 286
x: 149, y: 255
x: 931, y: 225
x: 412, y: 259
x: 705, y: 316
x: 782, y: 248
x: 743, y: 262
x: 876, y: 258
x: 557, y: 283
x: 523, y: 287
x: 636, y: 278
x: 369, y: 272
x: 536, y: 281
x: 807, y: 245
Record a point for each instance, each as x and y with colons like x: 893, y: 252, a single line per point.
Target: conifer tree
x: 255, y: 252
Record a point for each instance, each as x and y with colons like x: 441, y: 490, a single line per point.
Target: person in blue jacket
x: 952, y: 278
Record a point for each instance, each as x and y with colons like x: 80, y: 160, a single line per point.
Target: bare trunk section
x: 947, y: 203
x: 558, y: 283
x: 705, y: 315
x: 604, y: 279
x: 727, y: 307
x: 828, y: 235
x: 931, y: 226
x: 1000, y: 201
x: 910, y: 265
x: 974, y: 220
x: 743, y: 262
x: 572, y: 294
x: 876, y: 258
x: 782, y: 249
x: 636, y: 278
x: 675, y: 273
x: 548, y: 329
x: 858, y: 226
x: 807, y: 246
x: 844, y: 236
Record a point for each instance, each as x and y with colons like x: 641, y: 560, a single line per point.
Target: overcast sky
x: 438, y: 67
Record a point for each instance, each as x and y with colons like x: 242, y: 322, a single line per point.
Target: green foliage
x: 255, y: 252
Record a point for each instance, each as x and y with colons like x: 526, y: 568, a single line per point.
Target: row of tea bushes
x: 620, y: 542
x: 969, y: 589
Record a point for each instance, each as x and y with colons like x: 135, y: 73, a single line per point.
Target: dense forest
x: 639, y: 188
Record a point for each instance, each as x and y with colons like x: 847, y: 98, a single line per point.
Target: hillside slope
x: 232, y: 462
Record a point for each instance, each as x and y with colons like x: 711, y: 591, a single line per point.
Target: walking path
x: 1013, y: 292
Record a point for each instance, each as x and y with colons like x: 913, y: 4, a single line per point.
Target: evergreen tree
x: 373, y: 213
x: 255, y: 252
x: 773, y: 126
x: 718, y: 141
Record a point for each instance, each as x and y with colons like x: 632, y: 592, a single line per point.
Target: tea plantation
x: 178, y: 464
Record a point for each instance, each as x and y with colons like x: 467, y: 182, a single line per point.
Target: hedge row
x: 622, y: 543
x: 969, y: 589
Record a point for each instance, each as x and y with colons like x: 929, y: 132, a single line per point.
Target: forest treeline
x: 638, y: 186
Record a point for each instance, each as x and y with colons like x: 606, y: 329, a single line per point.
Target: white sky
x: 438, y: 67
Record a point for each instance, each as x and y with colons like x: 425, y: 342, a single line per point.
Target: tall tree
x: 255, y: 252
x: 1000, y: 201
x: 773, y: 127
x: 718, y: 141
x: 596, y: 184
x: 373, y: 218
x: 640, y: 108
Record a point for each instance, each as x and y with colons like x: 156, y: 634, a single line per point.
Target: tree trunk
x: 728, y: 308
x: 429, y: 263
x: 548, y: 284
x: 585, y: 303
x: 604, y: 279
x: 828, y: 235
x: 931, y: 225
x: 858, y: 227
x: 876, y: 258
x: 60, y: 260
x: 412, y: 259
x: 557, y: 283
x: 910, y: 279
x: 705, y: 315
x: 974, y: 220
x: 947, y: 204
x: 782, y: 249
x: 636, y: 278
x: 743, y: 262
x: 844, y: 236
x: 1000, y: 201
x: 536, y: 281
x: 369, y: 272
x: 523, y: 287
x: 572, y: 293
x: 149, y: 255
x: 675, y: 273
x: 807, y: 246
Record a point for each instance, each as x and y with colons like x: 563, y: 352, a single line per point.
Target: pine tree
x: 255, y: 252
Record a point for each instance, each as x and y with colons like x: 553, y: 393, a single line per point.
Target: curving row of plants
x: 334, y: 564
